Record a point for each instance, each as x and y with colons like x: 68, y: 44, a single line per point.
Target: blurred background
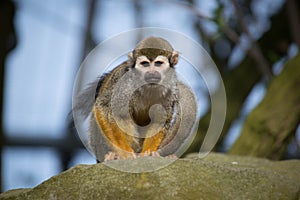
x: 42, y: 44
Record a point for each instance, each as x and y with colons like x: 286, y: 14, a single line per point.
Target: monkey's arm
x: 118, y: 139
x: 181, y: 131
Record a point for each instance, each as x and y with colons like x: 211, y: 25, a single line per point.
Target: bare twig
x: 88, y: 38
x: 240, y: 18
x: 190, y: 7
x: 231, y: 34
x: 294, y: 20
x: 255, y: 50
x: 194, y: 10
x: 138, y: 16
x: 138, y: 13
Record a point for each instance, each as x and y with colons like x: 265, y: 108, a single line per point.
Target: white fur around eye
x: 161, y: 58
x: 160, y: 63
x: 140, y: 60
x: 164, y: 62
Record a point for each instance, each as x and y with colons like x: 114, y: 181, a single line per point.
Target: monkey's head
x: 153, y: 57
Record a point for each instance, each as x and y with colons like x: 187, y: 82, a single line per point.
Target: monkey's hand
x: 114, y: 156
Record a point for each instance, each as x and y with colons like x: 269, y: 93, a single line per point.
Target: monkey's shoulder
x: 108, y: 79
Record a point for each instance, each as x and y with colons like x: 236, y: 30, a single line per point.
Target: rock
x: 216, y: 176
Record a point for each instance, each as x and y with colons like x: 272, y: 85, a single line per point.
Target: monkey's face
x: 153, y: 71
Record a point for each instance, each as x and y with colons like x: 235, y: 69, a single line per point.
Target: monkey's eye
x: 145, y: 63
x: 158, y: 63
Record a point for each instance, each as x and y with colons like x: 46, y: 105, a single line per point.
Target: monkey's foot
x: 111, y: 156
x: 114, y: 156
x: 149, y: 153
x: 171, y: 156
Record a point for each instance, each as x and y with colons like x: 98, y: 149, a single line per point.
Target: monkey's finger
x: 111, y: 156
x: 134, y: 156
x: 155, y: 153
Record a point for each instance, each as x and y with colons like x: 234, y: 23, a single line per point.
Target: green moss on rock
x: 216, y: 176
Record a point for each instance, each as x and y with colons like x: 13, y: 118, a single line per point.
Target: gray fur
x: 176, y: 98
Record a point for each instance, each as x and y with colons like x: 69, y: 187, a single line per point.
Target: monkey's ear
x: 174, y: 58
x: 130, y: 56
x: 131, y: 59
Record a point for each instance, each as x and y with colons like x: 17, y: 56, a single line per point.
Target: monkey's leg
x: 152, y: 144
x: 117, y: 138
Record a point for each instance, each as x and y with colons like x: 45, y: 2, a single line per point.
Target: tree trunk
x: 273, y: 123
x: 241, y: 80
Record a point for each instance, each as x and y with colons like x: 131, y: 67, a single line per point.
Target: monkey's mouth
x: 152, y: 79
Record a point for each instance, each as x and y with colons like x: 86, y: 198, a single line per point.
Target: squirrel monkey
x: 140, y: 107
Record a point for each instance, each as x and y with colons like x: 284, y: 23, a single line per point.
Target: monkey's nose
x: 152, y: 77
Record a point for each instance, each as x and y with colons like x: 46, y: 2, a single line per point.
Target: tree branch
x: 255, y: 50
